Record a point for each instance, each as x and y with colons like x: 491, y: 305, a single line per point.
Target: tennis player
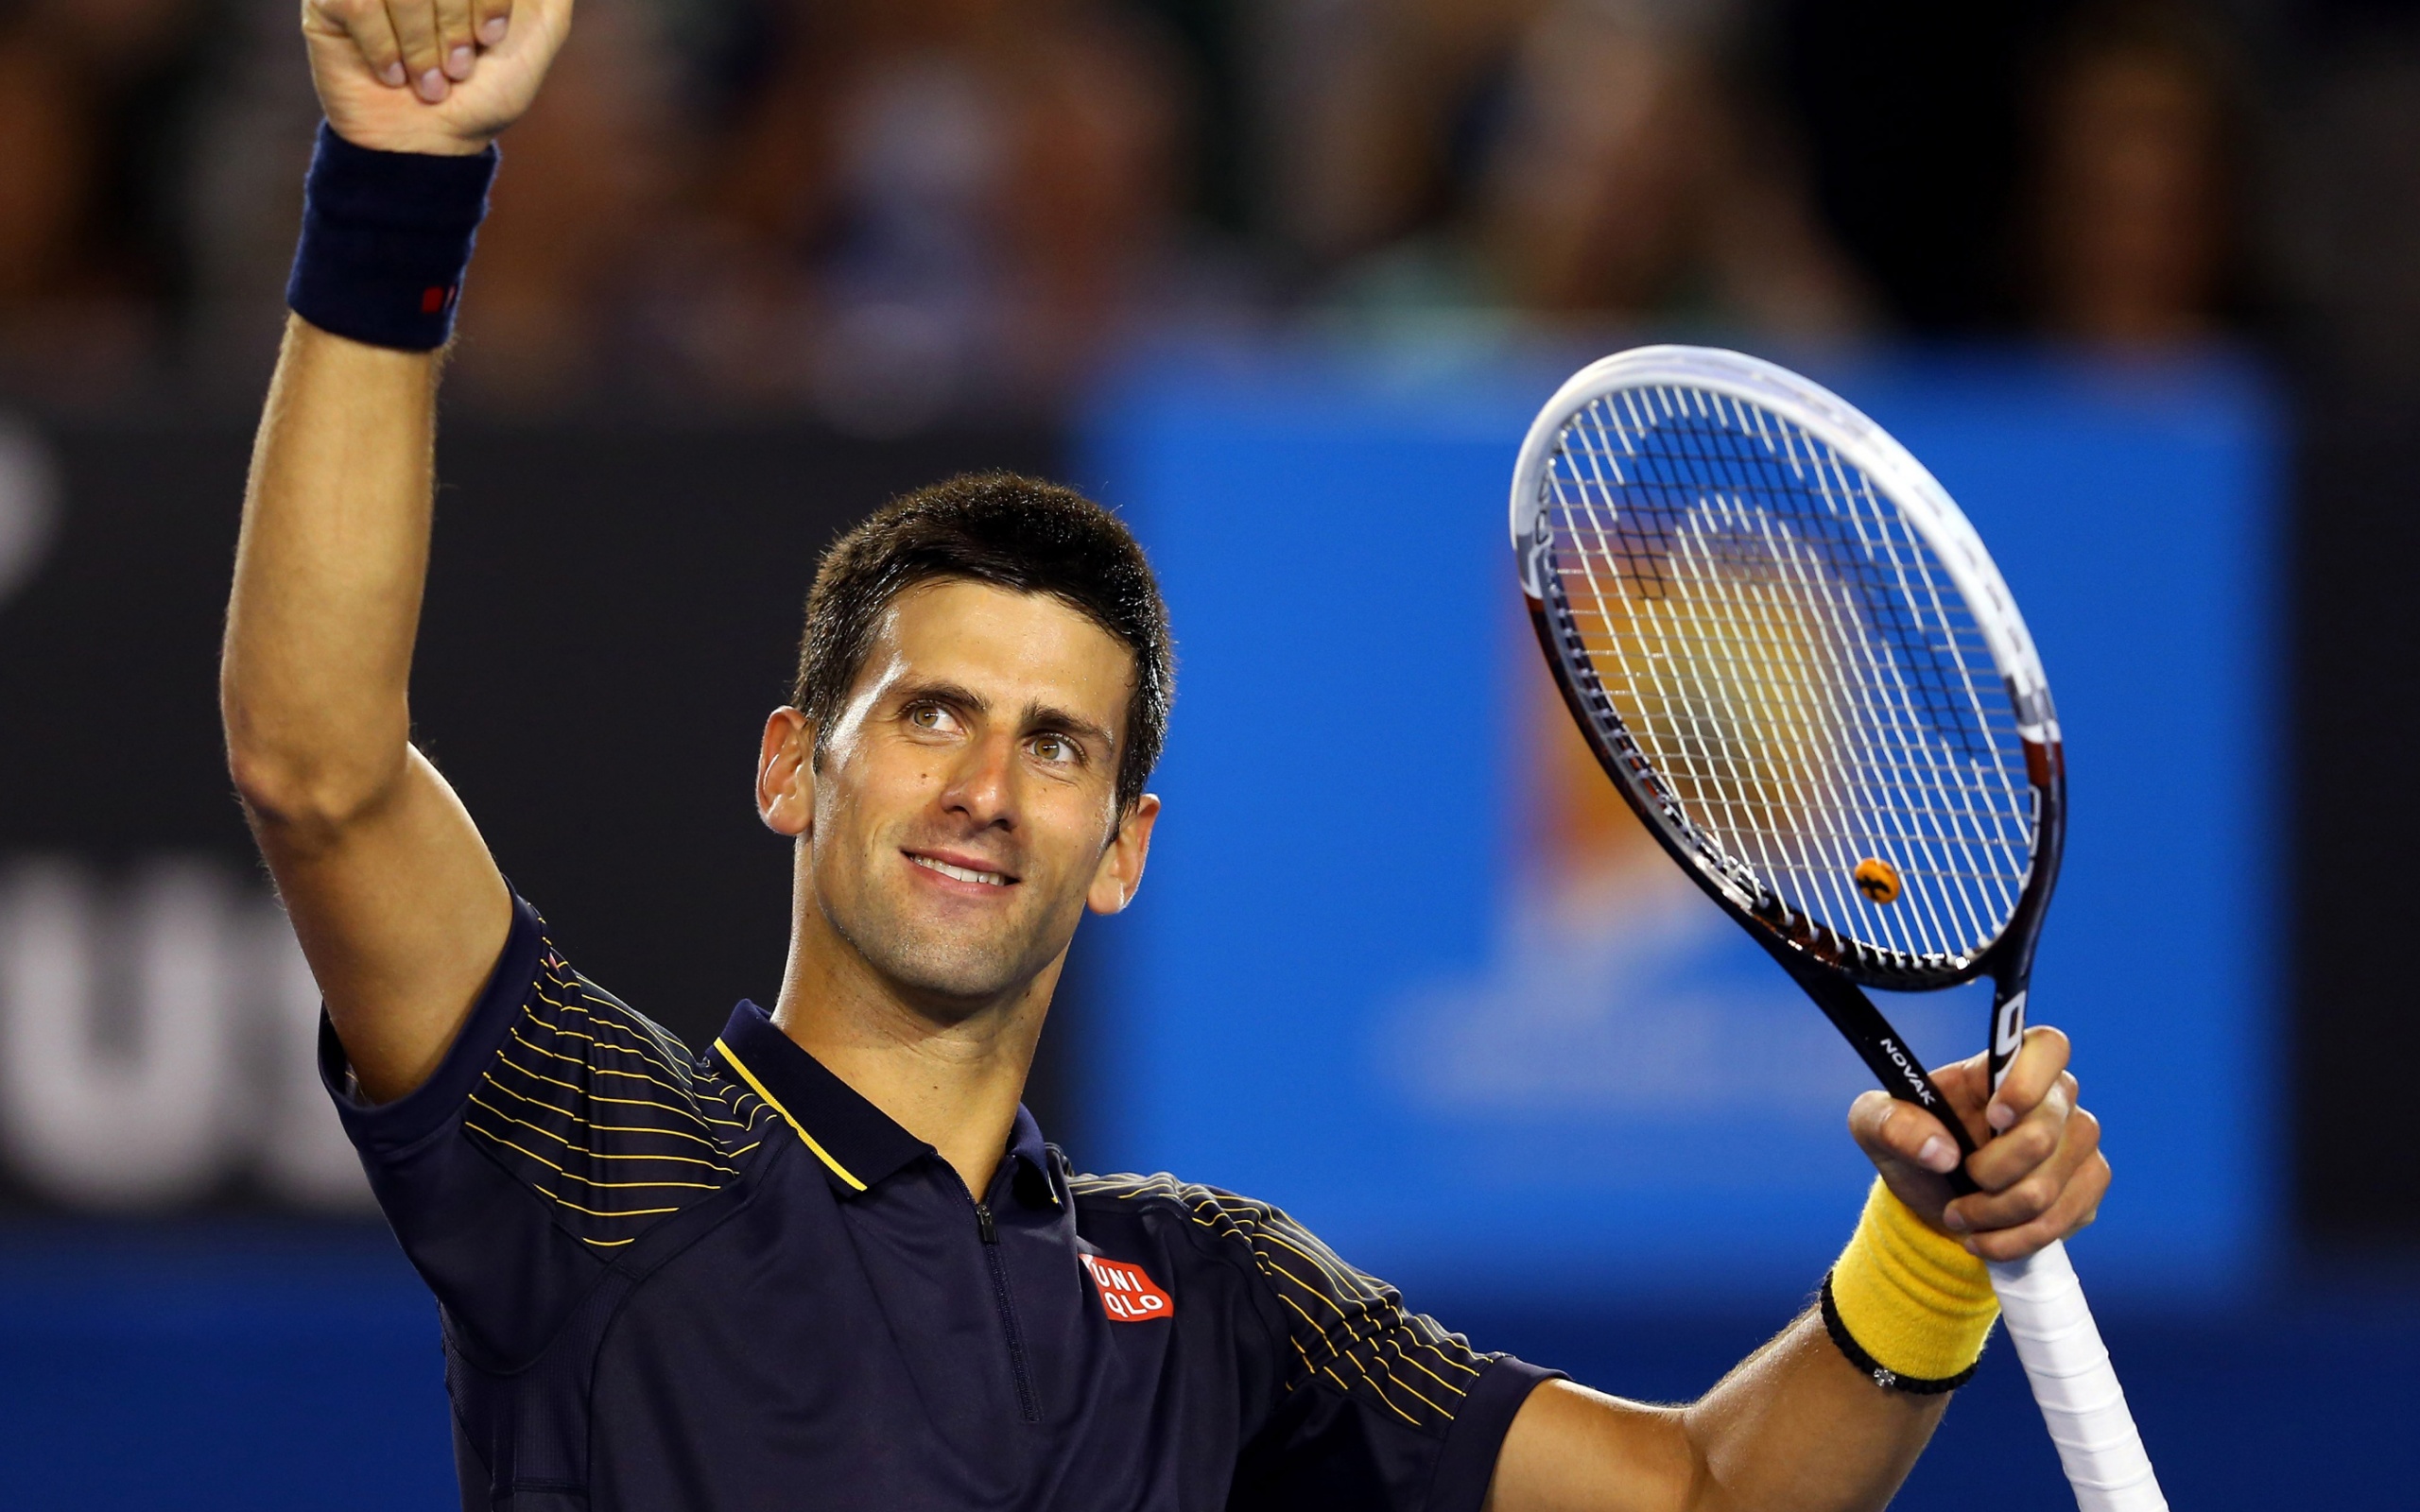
x: 829, y: 1261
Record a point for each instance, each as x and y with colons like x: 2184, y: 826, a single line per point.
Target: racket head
x: 1797, y: 661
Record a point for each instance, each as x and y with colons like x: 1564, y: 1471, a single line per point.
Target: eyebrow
x: 1036, y: 716
x: 1042, y: 716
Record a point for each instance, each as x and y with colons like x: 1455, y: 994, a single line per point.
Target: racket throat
x: 2008, y: 1026
x: 1883, y: 1048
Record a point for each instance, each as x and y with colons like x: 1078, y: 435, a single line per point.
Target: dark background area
x: 2355, y: 741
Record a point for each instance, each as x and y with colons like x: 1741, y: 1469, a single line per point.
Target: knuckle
x: 2033, y: 1197
x: 2087, y: 1130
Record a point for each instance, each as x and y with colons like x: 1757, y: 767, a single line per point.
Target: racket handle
x: 2042, y: 1303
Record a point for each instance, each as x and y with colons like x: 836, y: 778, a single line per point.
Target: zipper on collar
x: 1029, y: 1405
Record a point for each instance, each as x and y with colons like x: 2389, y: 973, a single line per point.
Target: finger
x: 2010, y: 1155
x: 2031, y: 1075
x: 1888, y: 1129
x: 2074, y: 1210
x: 491, y: 20
x: 2035, y: 1191
x: 415, y: 24
x: 455, y: 39
x: 1966, y: 1087
x: 364, y: 22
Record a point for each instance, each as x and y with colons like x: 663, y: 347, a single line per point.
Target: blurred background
x: 1284, y: 280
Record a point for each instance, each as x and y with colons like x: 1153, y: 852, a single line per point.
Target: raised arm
x: 1797, y: 1427
x: 398, y: 906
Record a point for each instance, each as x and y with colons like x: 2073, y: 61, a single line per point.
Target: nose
x: 982, y: 785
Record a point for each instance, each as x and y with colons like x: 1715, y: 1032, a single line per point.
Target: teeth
x: 989, y: 879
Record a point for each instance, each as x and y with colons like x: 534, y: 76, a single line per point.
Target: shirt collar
x: 1029, y: 1162
x: 859, y: 1143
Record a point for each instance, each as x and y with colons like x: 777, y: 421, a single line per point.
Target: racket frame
x: 1831, y: 966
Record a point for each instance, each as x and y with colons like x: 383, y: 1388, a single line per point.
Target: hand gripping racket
x: 1797, y: 662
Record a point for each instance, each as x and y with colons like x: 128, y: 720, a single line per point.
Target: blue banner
x: 1403, y: 965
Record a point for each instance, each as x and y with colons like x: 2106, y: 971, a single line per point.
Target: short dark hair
x: 1017, y: 533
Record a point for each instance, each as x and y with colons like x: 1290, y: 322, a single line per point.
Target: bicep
x: 401, y: 912
x: 1574, y: 1450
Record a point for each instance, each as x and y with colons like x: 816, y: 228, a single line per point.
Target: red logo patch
x: 1127, y: 1295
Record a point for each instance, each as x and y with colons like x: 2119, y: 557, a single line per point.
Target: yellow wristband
x: 1906, y: 1305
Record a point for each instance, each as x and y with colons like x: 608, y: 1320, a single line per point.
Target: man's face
x: 964, y: 811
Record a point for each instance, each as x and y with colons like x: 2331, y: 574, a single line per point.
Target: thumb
x: 1913, y: 1151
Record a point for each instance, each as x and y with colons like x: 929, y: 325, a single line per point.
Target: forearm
x: 1811, y: 1422
x: 1796, y: 1428
x: 329, y: 571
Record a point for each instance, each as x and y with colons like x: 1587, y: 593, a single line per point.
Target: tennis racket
x: 1798, y: 663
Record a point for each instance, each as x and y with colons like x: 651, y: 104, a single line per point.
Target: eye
x: 932, y: 717
x: 1054, y: 748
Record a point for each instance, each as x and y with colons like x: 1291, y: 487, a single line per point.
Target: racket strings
x: 1792, y: 661
x: 1797, y: 574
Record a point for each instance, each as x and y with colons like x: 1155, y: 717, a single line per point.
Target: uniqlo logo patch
x: 1127, y: 1295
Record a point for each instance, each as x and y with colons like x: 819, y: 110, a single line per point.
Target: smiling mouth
x: 988, y: 879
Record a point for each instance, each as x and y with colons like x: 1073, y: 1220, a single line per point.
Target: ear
x: 785, y: 773
x: 1120, y: 872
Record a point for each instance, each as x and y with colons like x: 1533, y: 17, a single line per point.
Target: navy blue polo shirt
x: 727, y: 1281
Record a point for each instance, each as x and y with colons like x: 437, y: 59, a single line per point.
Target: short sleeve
x: 1381, y: 1407
x: 560, y: 1126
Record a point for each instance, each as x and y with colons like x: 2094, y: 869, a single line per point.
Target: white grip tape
x: 2041, y: 1304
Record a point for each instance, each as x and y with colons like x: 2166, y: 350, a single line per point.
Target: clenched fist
x: 2041, y: 1178
x: 430, y: 75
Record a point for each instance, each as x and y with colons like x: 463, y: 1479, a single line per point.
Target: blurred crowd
x: 890, y: 214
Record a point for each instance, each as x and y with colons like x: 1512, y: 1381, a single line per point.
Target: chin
x: 957, y: 976
x: 942, y: 953
x: 946, y: 963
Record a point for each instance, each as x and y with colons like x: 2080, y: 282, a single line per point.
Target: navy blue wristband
x: 387, y: 238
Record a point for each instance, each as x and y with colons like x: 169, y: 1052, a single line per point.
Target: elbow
x: 301, y: 796
x: 301, y: 767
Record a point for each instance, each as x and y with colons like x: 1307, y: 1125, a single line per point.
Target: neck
x: 952, y: 1079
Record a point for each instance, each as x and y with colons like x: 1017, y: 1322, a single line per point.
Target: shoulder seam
x: 543, y: 1095
x: 1347, y: 1291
